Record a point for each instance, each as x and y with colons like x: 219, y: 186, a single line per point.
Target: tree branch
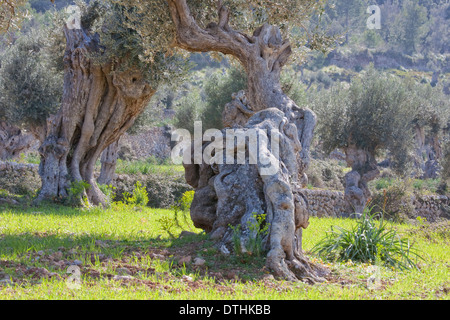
x: 215, y: 37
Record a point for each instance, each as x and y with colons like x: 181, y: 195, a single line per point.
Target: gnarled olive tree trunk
x: 227, y: 195
x: 99, y: 105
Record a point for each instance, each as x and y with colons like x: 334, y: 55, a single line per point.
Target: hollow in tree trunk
x: 99, y: 105
x: 228, y: 195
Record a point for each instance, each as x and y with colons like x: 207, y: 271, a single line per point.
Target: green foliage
x: 152, y: 20
x: 410, y: 26
x: 325, y: 174
x: 186, y: 200
x: 372, y: 39
x: 292, y: 86
x: 188, y: 110
x: 368, y: 241
x: 139, y: 197
x: 108, y: 191
x: 167, y: 224
x: 164, y: 187
x: 218, y: 91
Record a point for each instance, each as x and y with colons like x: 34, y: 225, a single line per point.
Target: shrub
x: 164, y: 189
x: 139, y: 196
x: 368, y: 241
x: 108, y: 190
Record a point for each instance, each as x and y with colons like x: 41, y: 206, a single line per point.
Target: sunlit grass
x: 106, y: 240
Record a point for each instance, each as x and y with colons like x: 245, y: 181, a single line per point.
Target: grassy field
x: 134, y: 253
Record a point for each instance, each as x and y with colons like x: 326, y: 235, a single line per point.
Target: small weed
x: 139, y: 196
x: 257, y: 229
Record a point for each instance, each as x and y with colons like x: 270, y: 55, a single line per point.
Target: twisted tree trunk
x: 229, y: 194
x: 99, y: 105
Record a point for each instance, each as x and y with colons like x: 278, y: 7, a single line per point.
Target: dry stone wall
x: 24, y: 178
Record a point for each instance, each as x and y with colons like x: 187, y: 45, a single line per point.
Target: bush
x: 394, y: 201
x: 20, y: 182
x: 369, y: 241
x: 77, y: 191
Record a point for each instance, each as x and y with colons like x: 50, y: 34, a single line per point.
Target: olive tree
x: 374, y: 114
x: 30, y: 86
x: 432, y: 111
x: 228, y: 195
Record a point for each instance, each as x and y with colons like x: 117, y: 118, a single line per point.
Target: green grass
x: 53, y: 237
x: 146, y: 167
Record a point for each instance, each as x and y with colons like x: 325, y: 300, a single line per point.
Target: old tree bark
x: 99, y: 104
x: 228, y: 194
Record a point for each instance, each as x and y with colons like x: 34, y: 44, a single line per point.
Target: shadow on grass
x: 48, y: 209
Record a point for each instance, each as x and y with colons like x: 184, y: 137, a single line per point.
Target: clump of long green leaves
x: 368, y: 241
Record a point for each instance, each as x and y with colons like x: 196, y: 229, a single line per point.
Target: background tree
x: 432, y: 111
x: 30, y: 83
x: 372, y: 115
x: 348, y: 13
x: 410, y: 26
